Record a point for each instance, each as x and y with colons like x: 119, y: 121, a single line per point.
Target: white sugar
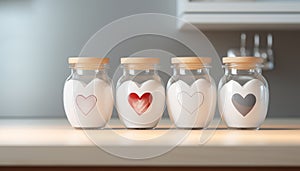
x: 232, y: 113
x: 88, y: 105
x: 191, y: 106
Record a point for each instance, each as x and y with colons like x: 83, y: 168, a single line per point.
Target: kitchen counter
x: 49, y: 142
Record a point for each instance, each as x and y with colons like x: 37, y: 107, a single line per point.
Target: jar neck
x: 136, y: 69
x: 137, y: 72
x: 177, y: 70
x: 83, y: 72
x: 234, y: 71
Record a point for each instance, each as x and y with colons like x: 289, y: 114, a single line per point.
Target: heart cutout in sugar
x: 140, y: 104
x: 190, y: 103
x: 243, y: 104
x: 86, y: 104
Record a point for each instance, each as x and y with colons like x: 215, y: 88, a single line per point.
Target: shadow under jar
x: 88, y: 95
x: 243, y: 93
x: 140, y: 94
x: 191, y: 93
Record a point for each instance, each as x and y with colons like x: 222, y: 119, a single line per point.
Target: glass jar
x: 140, y: 94
x: 88, y: 95
x: 243, y: 93
x: 191, y: 93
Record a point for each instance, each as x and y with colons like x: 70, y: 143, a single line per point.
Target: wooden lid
x: 88, y: 60
x: 87, y: 63
x: 242, y: 62
x: 140, y: 60
x: 249, y: 59
x: 192, y: 62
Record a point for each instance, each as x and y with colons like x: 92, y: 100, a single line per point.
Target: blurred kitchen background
x: 37, y: 37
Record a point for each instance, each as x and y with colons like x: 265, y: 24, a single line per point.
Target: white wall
x: 37, y: 37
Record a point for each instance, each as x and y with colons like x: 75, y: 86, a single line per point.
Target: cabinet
x: 239, y: 14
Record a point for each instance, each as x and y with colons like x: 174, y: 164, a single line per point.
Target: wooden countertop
x: 53, y: 142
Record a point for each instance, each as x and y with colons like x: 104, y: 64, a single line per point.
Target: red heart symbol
x: 140, y: 104
x: 86, y: 104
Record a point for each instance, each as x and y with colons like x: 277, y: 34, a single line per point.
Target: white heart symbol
x: 86, y: 104
x: 190, y: 103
